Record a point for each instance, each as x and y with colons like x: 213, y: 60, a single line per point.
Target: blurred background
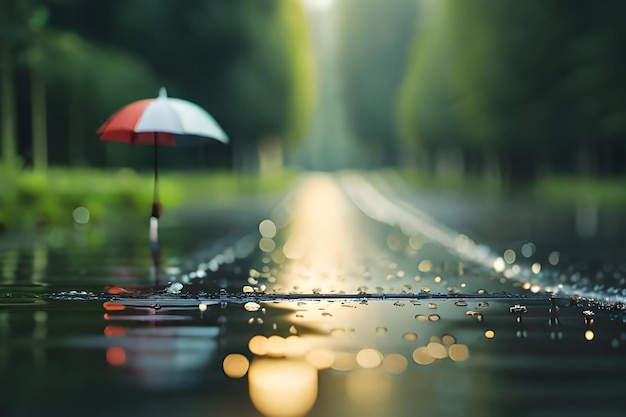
x: 507, y: 94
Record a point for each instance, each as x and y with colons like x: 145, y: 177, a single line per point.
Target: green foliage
x: 31, y: 199
x: 247, y: 63
x: 541, y: 78
x: 302, y: 98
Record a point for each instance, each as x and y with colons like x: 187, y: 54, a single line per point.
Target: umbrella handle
x: 157, y: 210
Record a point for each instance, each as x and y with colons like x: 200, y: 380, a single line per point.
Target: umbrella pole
x: 156, y: 205
x: 154, y: 218
x: 155, y: 199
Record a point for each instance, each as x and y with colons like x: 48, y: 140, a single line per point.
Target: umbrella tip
x: 162, y: 92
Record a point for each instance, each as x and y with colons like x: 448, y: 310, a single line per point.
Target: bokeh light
x: 235, y: 365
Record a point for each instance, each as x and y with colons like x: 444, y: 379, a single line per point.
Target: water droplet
x: 482, y: 304
x: 338, y: 331
x: 175, y: 288
x: 381, y: 330
x: 554, y: 258
x: 460, y: 303
x: 326, y: 314
x: 437, y: 350
x: 369, y: 358
x: 425, y: 266
x: 499, y: 265
x: 247, y: 289
x: 202, y: 307
x: 448, y: 339
x: 490, y: 334
x: 433, y: 317
x: 589, y: 335
x: 421, y: 356
x: 458, y: 352
x: 432, y: 306
x: 235, y: 365
x: 517, y: 308
x: 267, y: 228
x: 395, y: 363
x: 421, y: 317
x: 258, y: 345
x: 509, y: 256
x: 251, y: 306
x: 410, y: 336
x: 475, y: 314
x: 556, y: 335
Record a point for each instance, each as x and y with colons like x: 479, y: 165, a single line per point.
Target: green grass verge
x: 564, y: 189
x: 29, y: 199
x: 451, y: 182
x: 610, y: 192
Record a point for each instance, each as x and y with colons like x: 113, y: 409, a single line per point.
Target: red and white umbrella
x: 161, y: 121
x: 164, y: 121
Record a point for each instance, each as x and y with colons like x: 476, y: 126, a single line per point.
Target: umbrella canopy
x: 162, y: 121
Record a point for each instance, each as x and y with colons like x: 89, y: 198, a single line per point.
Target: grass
x: 549, y: 189
x: 451, y: 182
x: 609, y: 192
x: 29, y: 200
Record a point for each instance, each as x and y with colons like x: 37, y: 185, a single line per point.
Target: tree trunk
x: 39, y: 121
x: 76, y: 131
x: 270, y: 151
x: 7, y: 107
x: 245, y: 157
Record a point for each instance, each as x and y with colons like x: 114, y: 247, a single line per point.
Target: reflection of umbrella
x: 161, y: 121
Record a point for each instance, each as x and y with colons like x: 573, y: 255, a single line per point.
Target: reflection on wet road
x: 343, y: 300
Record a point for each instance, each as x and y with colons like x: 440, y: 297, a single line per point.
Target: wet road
x: 343, y: 298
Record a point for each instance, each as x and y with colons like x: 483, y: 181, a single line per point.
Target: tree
x: 532, y: 82
x: 14, y: 23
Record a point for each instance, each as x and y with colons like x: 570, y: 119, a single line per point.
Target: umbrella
x: 163, y: 121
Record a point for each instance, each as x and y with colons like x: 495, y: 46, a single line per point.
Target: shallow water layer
x: 339, y: 300
x: 314, y: 357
